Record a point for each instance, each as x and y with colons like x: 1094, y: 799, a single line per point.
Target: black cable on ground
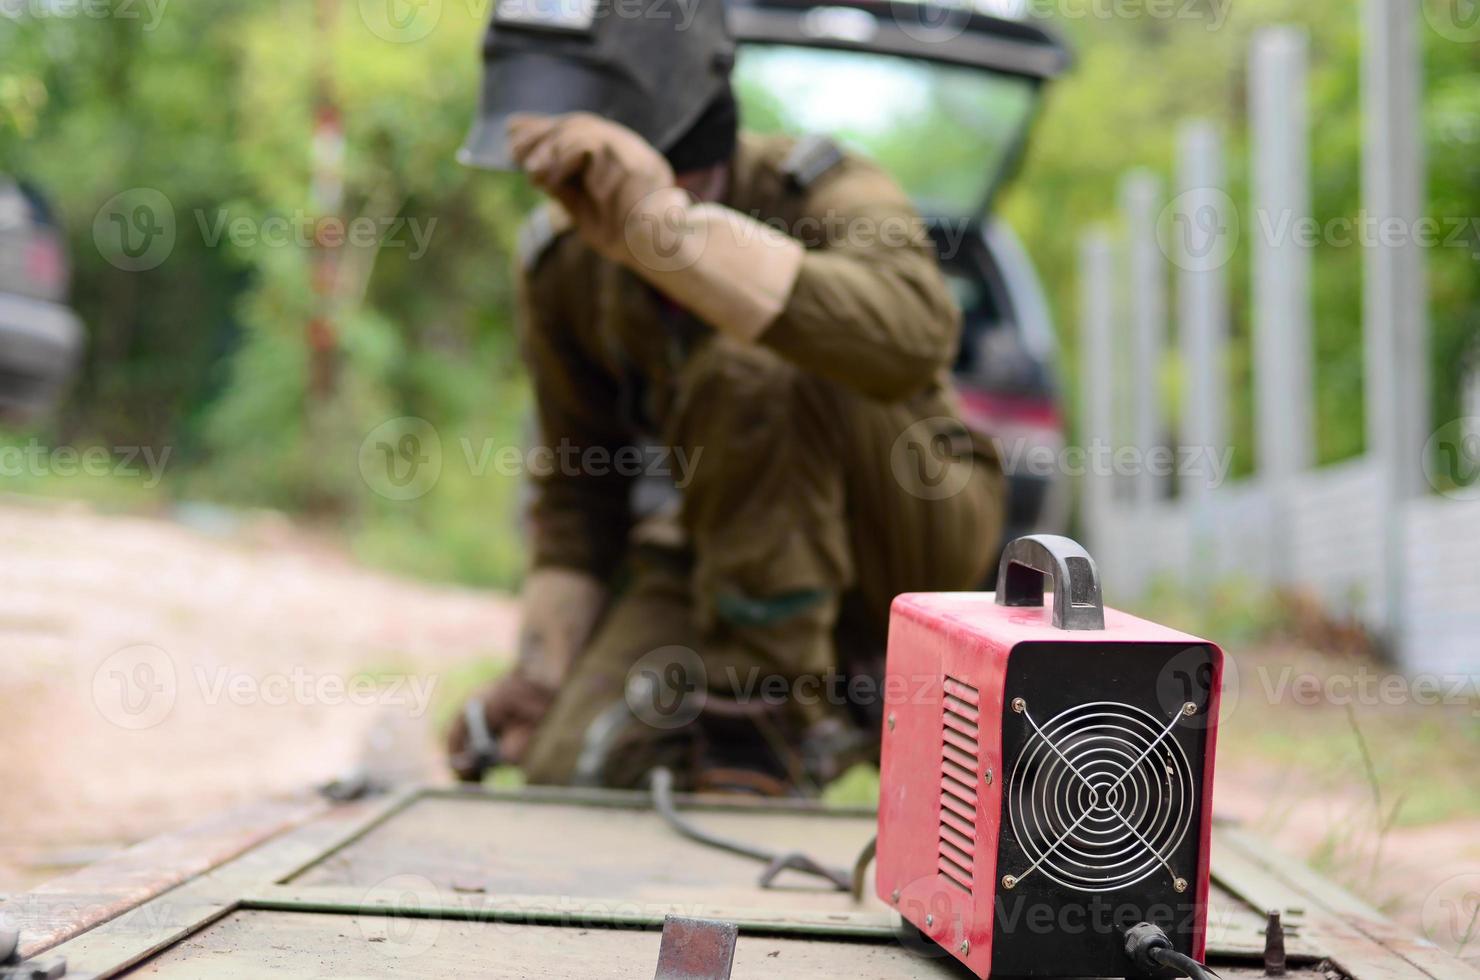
x: 1153, y: 954
x: 1182, y: 963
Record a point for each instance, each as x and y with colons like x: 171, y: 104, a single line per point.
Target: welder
x: 770, y: 313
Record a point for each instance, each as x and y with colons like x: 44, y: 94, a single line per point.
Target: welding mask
x: 654, y: 66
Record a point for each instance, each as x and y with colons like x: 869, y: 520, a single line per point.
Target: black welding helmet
x: 652, y: 65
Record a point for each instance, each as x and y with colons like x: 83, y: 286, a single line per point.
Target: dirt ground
x: 152, y: 672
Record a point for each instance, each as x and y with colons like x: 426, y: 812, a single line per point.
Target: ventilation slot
x: 959, y: 763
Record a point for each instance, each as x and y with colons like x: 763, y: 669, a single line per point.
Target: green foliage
x: 1237, y: 612
x: 215, y: 105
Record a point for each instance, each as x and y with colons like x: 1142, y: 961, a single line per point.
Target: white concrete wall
x: 1441, y: 569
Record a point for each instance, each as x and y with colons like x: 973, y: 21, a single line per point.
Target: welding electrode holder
x: 1028, y: 561
x: 481, y: 753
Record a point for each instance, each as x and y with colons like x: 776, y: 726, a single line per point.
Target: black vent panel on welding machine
x: 1103, y: 751
x: 960, y: 757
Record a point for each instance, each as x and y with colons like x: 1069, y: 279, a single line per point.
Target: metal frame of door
x: 117, y: 914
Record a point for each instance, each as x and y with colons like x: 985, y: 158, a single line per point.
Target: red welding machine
x: 1047, y: 774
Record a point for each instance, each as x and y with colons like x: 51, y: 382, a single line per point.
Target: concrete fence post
x: 1097, y: 385
x: 1394, y: 299
x: 1203, y: 238
x: 1141, y: 202
x: 1200, y: 240
x: 1280, y: 226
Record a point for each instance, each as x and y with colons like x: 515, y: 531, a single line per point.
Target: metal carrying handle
x: 1076, y: 581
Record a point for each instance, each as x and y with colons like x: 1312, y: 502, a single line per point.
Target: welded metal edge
x: 68, y: 906
x: 129, y: 938
x: 562, y: 910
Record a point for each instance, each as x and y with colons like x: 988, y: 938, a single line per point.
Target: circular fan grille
x: 1100, y: 799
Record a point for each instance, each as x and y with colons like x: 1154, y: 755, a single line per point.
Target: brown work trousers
x: 804, y: 501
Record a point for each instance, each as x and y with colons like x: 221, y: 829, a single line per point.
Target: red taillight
x: 995, y: 412
x: 46, y: 267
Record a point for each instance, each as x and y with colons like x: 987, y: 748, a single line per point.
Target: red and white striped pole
x: 327, y: 197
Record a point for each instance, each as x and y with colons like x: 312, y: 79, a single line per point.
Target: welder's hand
x: 611, y: 181
x: 512, y: 709
x: 561, y: 607
x: 727, y: 268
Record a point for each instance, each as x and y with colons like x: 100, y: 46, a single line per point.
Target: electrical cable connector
x: 1154, y: 956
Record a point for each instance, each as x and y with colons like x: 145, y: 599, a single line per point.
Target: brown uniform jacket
x: 870, y: 311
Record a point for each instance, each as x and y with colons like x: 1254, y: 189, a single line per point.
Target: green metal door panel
x: 309, y: 946
x: 550, y: 883
x: 614, y: 854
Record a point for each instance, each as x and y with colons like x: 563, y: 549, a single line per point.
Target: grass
x: 859, y: 786
x: 1412, y: 763
x: 465, y: 529
x: 455, y: 683
x: 109, y: 479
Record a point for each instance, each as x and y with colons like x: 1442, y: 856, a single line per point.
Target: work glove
x: 561, y: 607
x: 508, y: 711
x: 731, y: 271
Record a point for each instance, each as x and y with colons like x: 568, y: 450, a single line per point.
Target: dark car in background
x: 943, y: 98
x: 40, y: 337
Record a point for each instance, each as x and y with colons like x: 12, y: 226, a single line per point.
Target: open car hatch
x: 891, y: 78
